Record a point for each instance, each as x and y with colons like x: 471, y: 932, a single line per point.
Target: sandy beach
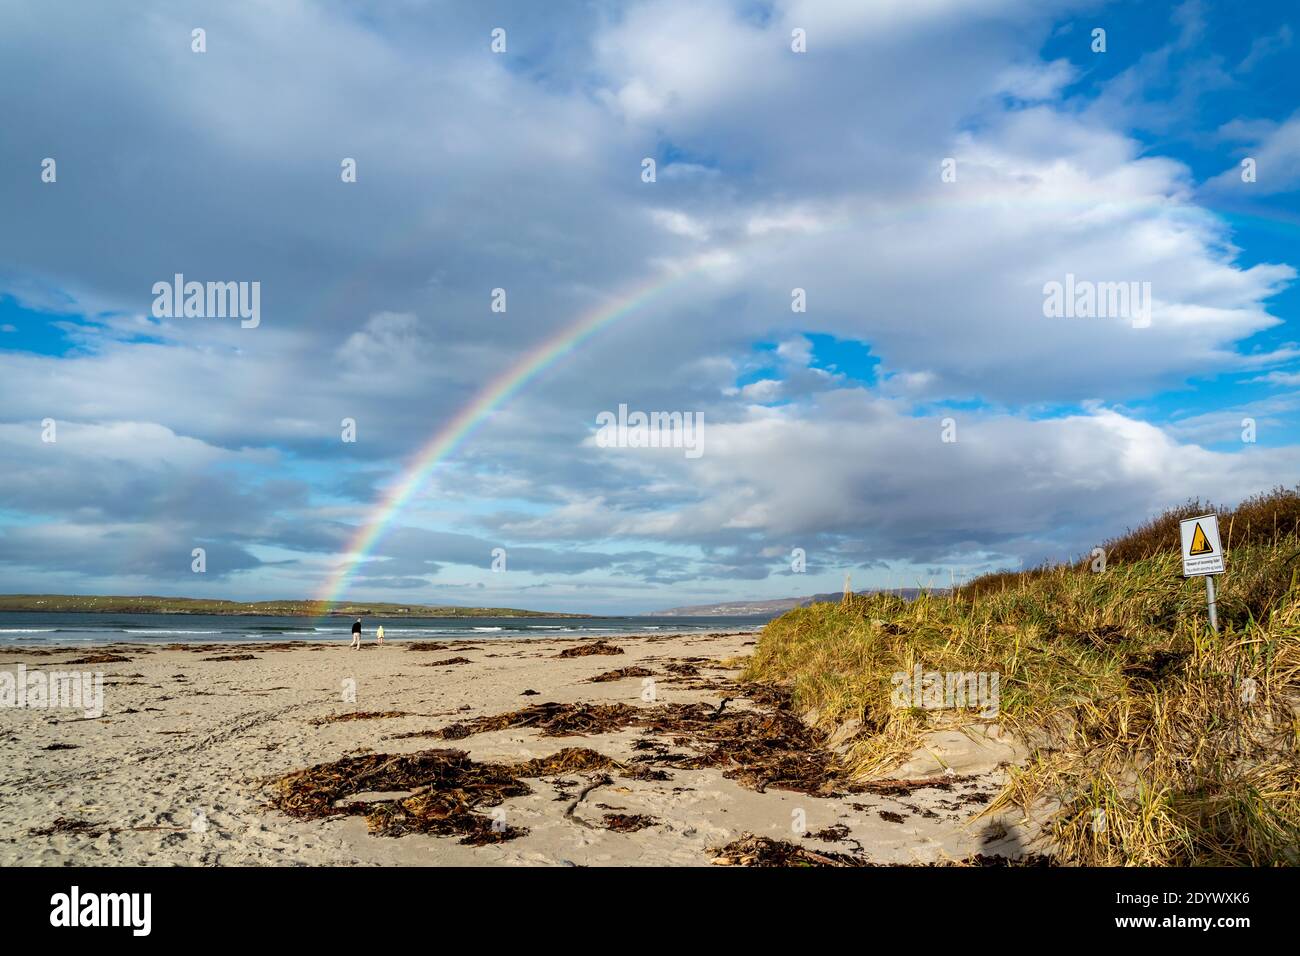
x: 181, y: 767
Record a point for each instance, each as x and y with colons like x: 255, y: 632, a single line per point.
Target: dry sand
x: 171, y: 773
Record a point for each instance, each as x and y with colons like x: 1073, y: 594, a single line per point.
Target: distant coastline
x: 775, y: 606
x: 148, y: 604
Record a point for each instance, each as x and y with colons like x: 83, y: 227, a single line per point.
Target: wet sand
x: 176, y: 770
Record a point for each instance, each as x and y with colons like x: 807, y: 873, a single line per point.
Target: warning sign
x: 1202, y: 553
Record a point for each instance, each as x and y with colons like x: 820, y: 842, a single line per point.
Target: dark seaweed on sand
x: 621, y: 673
x: 357, y: 715
x: 553, y: 720
x: 832, y: 834
x: 628, y: 822
x: 445, y: 791
x: 752, y: 850
x: 757, y: 748
x: 69, y: 825
x: 595, y: 647
x: 448, y: 662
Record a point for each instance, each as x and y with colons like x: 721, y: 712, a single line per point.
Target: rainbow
x: 497, y: 392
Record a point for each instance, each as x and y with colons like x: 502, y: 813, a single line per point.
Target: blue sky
x: 776, y: 171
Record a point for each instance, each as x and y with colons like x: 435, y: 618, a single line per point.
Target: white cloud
x: 1275, y: 148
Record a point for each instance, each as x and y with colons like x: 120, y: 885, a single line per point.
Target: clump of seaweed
x: 552, y: 719
x: 233, y: 657
x: 619, y: 674
x: 99, y: 659
x: 756, y: 748
x: 752, y: 850
x: 568, y: 760
x: 831, y: 834
x: 594, y: 647
x: 434, y: 791
x: 69, y: 825
x: 448, y: 662
x: 443, y: 790
x: 685, y: 668
x: 628, y: 822
x: 357, y: 715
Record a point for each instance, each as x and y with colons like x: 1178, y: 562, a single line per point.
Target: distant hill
x: 778, y: 605
x: 109, y: 604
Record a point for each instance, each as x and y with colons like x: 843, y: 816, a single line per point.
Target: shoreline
x: 394, y: 635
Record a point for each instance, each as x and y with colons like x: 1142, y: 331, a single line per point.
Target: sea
x: 36, y: 628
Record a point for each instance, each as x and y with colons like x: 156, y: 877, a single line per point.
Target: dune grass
x: 1154, y: 741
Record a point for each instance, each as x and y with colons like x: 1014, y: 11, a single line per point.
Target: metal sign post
x: 1203, y: 556
x: 1209, y: 599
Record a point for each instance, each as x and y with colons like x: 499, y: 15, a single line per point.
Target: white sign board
x: 1202, y: 552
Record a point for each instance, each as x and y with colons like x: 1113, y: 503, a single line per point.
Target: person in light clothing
x: 379, y: 635
x: 356, y: 635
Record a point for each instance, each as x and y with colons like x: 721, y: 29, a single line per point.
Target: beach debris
x: 529, y: 693
x: 685, y: 668
x: 69, y: 825
x: 901, y: 788
x: 568, y: 760
x: 621, y: 673
x: 889, y: 816
x: 435, y: 791
x: 448, y: 662
x: 594, y: 647
x: 552, y: 719
x: 628, y: 822
x: 831, y: 834
x: 751, y: 850
x: 756, y: 748
x: 432, y: 646
x: 357, y: 715
x: 233, y: 657
x: 448, y: 789
x: 98, y: 659
x: 61, y: 747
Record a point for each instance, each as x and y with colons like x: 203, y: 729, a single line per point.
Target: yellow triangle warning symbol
x: 1200, y: 543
